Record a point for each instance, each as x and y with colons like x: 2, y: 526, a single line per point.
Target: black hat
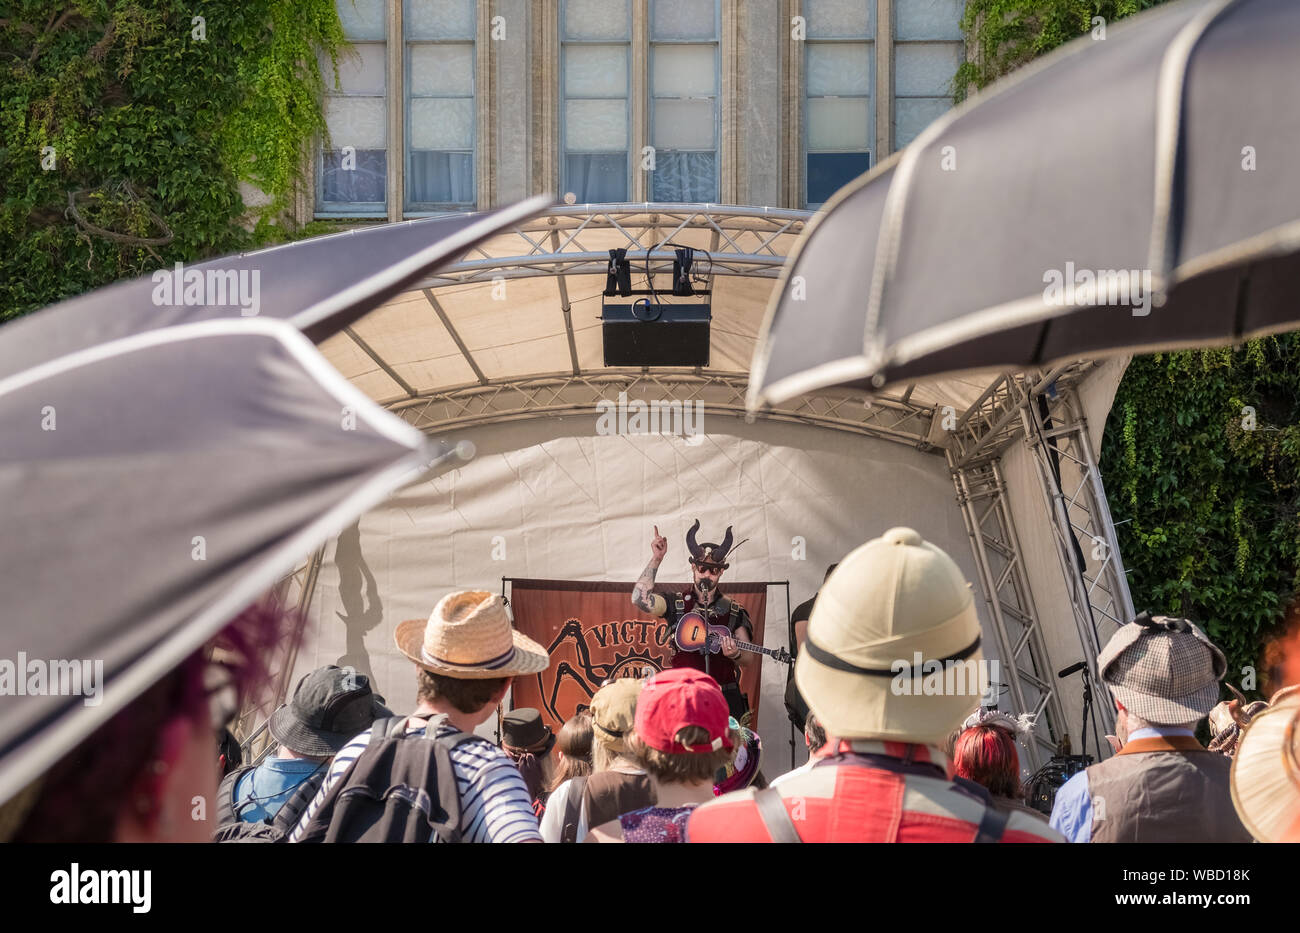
x: 523, y: 730
x: 708, y: 554
x: 330, y: 707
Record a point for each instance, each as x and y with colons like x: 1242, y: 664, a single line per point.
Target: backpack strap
x: 992, y: 825
x: 227, y: 811
x: 573, y: 809
x: 775, y: 817
x: 292, y: 810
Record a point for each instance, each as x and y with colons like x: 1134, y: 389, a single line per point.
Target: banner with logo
x: 593, y: 633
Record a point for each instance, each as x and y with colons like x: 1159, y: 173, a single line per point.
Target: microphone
x: 1072, y: 669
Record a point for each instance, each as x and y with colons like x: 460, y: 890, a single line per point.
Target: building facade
x: 450, y: 105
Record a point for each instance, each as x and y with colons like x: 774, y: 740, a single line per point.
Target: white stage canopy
x: 503, y: 350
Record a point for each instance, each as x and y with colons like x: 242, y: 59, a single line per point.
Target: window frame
x: 355, y: 209
x: 564, y: 98
x: 411, y: 207
x: 872, y: 42
x: 716, y: 98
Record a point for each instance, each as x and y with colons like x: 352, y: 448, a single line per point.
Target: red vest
x: 849, y: 803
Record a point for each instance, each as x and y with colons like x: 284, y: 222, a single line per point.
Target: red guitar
x: 696, y: 635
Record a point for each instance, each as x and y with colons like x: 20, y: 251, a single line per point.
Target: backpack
x: 400, y: 789
x: 232, y: 828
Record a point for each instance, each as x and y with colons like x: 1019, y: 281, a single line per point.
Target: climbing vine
x: 1002, y: 35
x: 127, y: 127
x: 1201, y: 457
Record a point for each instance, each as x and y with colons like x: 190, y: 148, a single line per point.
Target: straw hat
x: 469, y: 636
x: 1266, y: 771
x: 890, y: 599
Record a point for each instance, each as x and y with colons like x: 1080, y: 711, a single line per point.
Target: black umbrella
x: 1131, y: 193
x: 163, y: 465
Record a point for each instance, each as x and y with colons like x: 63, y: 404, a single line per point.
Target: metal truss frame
x: 742, y: 241
x: 723, y: 393
x: 293, y: 593
x: 981, y: 493
x: 1087, y: 546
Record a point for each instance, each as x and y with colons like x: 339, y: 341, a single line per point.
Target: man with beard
x: 708, y: 561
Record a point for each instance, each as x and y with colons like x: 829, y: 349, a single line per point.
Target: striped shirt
x: 494, y: 801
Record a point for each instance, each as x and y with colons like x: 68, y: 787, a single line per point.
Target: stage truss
x: 1038, y: 409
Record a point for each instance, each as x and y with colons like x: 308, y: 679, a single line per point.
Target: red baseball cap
x: 680, y: 697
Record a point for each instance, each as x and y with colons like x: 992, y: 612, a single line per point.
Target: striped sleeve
x: 339, y: 767
x: 495, y: 806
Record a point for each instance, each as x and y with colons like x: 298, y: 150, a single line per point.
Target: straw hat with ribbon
x: 469, y: 636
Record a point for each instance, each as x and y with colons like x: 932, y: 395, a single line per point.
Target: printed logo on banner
x: 629, y: 648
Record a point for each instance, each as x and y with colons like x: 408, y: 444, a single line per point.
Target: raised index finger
x: 656, y: 531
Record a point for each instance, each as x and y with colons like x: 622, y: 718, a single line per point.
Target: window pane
x: 837, y: 19
x: 596, y: 179
x: 925, y: 70
x: 442, y: 123
x: 683, y: 19
x: 441, y: 178
x: 838, y: 69
x: 929, y: 19
x: 363, y: 19
x: 685, y: 176
x: 361, y: 70
x: 355, y: 121
x: 912, y: 115
x: 364, y: 183
x: 595, y: 71
x: 683, y: 124
x: 830, y: 171
x: 838, y: 124
x: 595, y: 125
x: 596, y: 19
x: 441, y: 70
x: 439, y: 19
x: 684, y: 71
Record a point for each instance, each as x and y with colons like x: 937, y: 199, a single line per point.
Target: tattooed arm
x: 643, y: 595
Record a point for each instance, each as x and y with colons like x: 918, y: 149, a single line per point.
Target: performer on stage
x: 708, y: 561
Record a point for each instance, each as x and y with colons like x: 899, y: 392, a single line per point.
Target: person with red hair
x: 985, y: 752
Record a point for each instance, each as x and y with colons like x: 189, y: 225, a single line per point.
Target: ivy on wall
x: 1201, y: 453
x: 126, y: 128
x: 1002, y: 35
x: 1201, y: 458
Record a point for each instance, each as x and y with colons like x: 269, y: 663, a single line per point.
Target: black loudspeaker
x: 644, y: 334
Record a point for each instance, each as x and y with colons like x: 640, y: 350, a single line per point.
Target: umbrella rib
x: 1170, y: 91
x: 446, y: 322
x: 379, y: 361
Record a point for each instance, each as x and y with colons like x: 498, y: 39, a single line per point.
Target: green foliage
x: 1005, y: 34
x: 1201, y: 457
x: 151, y: 129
